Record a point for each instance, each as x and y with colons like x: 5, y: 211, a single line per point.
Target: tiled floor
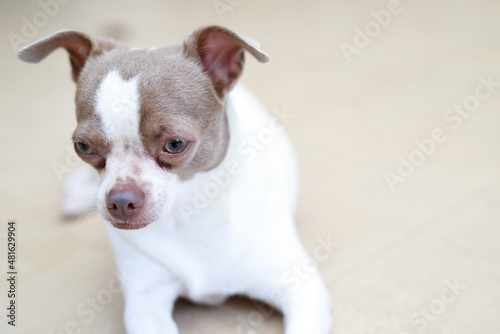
x: 357, y: 118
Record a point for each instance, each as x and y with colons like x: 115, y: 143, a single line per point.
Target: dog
x: 198, y: 182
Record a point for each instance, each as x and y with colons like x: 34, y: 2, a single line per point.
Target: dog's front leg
x: 306, y: 307
x: 149, y: 305
x: 80, y: 191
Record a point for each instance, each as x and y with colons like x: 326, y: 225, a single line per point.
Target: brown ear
x: 79, y: 46
x: 221, y: 53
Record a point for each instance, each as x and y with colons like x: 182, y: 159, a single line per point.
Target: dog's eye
x: 84, y: 148
x: 175, y: 146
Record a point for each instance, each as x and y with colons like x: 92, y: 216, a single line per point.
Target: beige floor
x: 353, y: 121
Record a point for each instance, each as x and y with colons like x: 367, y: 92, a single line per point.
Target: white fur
x: 117, y: 104
x: 214, y: 242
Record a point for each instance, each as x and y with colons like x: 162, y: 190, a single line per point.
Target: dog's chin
x: 130, y: 224
x: 146, y: 218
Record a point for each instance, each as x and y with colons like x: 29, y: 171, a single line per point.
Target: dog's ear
x: 221, y: 53
x: 79, y: 46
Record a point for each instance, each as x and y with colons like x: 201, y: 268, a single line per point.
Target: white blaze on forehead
x: 117, y: 104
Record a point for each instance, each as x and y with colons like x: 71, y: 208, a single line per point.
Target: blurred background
x: 396, y: 115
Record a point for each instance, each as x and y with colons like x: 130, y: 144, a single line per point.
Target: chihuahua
x: 198, y: 182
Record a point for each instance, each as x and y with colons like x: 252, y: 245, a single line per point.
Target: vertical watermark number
x: 11, y: 273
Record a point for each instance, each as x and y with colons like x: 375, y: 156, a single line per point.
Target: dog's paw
x: 80, y: 191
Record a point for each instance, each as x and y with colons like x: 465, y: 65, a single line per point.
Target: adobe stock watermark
x: 372, y: 29
x: 293, y: 278
x: 247, y: 152
x: 452, y: 117
x: 223, y: 6
x: 421, y: 319
x: 31, y: 25
x: 388, y: 321
x: 87, y: 310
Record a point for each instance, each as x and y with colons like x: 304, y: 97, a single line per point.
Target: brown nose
x: 125, y: 201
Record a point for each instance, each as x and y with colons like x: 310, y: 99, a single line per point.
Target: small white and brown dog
x: 194, y: 210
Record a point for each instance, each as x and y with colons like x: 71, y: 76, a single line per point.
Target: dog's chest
x: 204, y: 254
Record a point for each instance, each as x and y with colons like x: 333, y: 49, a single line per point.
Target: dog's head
x: 149, y: 119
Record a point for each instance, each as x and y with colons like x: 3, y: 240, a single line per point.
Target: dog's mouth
x: 138, y: 221
x: 129, y: 224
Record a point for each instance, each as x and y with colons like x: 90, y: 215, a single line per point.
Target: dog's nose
x: 125, y: 201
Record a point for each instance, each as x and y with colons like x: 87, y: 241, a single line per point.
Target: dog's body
x: 199, y: 183
x: 242, y: 243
